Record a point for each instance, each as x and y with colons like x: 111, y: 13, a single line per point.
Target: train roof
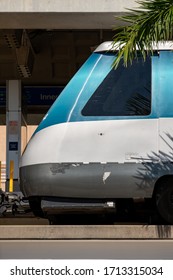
x: 109, y: 46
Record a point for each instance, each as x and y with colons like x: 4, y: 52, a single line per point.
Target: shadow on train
x: 157, y: 171
x: 148, y: 211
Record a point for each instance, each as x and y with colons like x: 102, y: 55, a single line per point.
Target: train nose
x: 32, y: 164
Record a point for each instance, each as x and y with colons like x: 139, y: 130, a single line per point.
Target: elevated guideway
x: 86, y: 249
x: 86, y: 232
x: 86, y: 242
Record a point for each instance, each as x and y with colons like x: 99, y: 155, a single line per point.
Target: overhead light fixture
x: 25, y: 61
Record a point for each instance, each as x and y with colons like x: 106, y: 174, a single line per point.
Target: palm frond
x: 152, y: 22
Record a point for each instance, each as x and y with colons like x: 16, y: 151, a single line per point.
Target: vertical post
x: 13, y: 124
x: 0, y: 174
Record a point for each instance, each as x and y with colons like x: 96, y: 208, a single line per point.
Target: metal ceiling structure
x: 46, y: 56
x: 47, y: 41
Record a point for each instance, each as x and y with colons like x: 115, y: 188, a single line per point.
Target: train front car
x: 55, y: 169
x: 100, y: 140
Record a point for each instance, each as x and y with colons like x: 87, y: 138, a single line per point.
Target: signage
x: 35, y: 96
x: 13, y: 127
x: 13, y: 146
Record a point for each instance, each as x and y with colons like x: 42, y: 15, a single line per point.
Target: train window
x: 124, y: 92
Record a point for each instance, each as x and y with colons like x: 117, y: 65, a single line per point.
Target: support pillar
x: 13, y: 128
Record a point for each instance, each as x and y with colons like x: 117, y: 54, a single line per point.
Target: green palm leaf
x: 152, y: 22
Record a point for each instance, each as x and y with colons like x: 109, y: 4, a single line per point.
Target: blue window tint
x: 124, y: 92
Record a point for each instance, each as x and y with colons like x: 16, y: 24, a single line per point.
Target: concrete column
x: 13, y: 124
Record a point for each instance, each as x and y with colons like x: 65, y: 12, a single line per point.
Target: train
x: 108, y: 136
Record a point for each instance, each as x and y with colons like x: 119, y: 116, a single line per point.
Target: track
x: 22, y: 220
x: 15, y: 210
x: 139, y: 214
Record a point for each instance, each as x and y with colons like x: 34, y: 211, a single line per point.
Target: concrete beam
x: 58, y: 21
x: 58, y: 14
x: 70, y: 6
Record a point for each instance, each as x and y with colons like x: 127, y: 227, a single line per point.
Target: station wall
x: 26, y: 133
